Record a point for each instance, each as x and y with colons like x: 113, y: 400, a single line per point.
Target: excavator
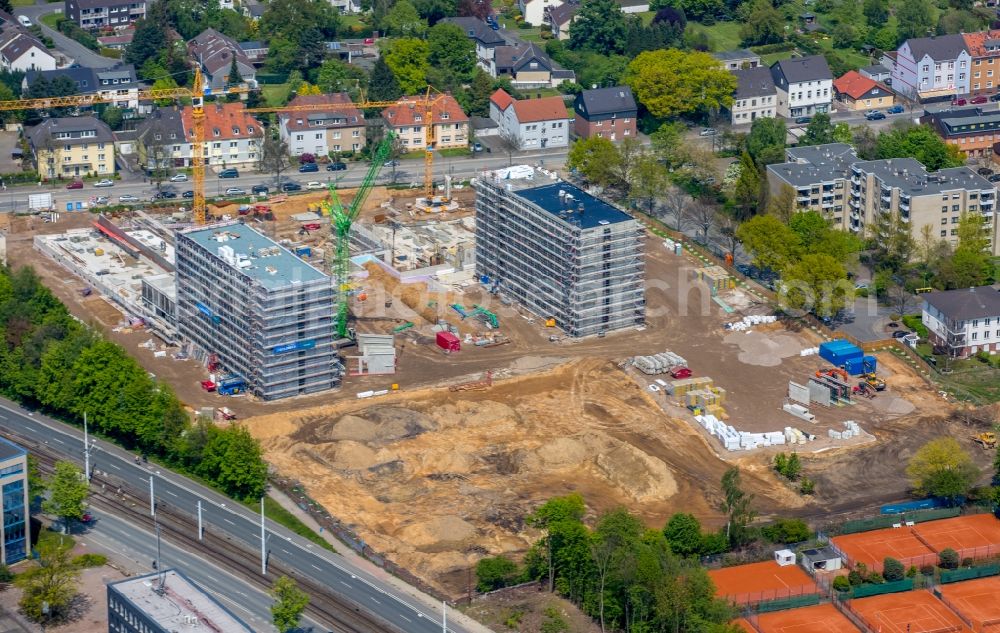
x: 987, y: 441
x: 873, y: 381
x: 834, y: 372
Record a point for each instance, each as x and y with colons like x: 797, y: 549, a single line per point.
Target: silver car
x: 128, y: 198
x: 235, y: 191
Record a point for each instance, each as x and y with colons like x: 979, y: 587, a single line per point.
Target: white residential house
x: 533, y: 11
x: 804, y: 86
x: 531, y: 123
x: 756, y: 96
x: 965, y: 321
x: 931, y: 66
x: 232, y: 136
x: 20, y: 51
x: 485, y: 38
x: 320, y: 132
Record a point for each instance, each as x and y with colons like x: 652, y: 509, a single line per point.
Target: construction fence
x: 969, y: 573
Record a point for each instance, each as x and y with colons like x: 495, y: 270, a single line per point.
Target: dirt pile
x: 436, y: 480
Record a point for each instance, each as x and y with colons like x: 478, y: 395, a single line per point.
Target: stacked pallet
x: 682, y: 387
x: 658, y: 363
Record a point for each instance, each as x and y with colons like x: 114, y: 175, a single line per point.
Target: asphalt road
x: 403, y: 610
x: 15, y: 198
x: 79, y: 53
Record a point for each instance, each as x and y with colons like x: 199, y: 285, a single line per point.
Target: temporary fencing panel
x: 788, y: 603
x: 969, y: 573
x: 863, y: 591
x: 867, y: 525
x: 933, y: 514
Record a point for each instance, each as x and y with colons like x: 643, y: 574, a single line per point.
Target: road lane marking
x: 345, y: 584
x: 172, y: 494
x: 374, y: 599
x: 56, y: 439
x: 228, y: 521
x: 405, y: 618
x: 114, y: 466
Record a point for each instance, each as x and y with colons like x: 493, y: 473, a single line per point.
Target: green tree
x: 771, y: 242
x: 234, y: 78
x: 787, y: 531
x: 289, y: 603
x: 892, y: 569
x: 736, y: 505
x: 949, y: 559
x: 876, y: 13
x: 407, y: 58
x: 594, y: 158
x: 336, y: 76
x: 451, y: 51
x: 599, y: 27
x: 148, y: 40
x: 113, y: 117
x: 297, y: 31
x: 50, y: 586
x: 766, y: 134
x: 383, y: 85
x: 683, y: 534
x: 819, y: 131
x: 667, y: 143
x: 817, y: 283
x: 36, y: 483
x: 842, y: 133
x: 764, y: 25
x: 5, y: 5
x: 434, y: 10
x: 941, y: 468
x: 915, y: 18
x: 672, y: 82
x: 747, y: 192
x: 920, y: 142
x: 793, y: 468
x: 68, y: 490
x: 165, y: 83
x: 780, y: 463
x: 236, y: 460
x: 494, y: 573
x: 650, y: 180
x: 404, y: 21
x: 971, y: 263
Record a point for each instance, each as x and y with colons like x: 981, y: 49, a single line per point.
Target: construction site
x: 463, y: 403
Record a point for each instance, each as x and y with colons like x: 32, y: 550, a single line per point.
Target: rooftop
x: 938, y: 47
x: 799, y: 69
x: 255, y: 255
x: 754, y: 82
x: 967, y: 303
x: 177, y: 603
x: 855, y: 85
x: 735, y: 55
x: 596, y: 212
x: 10, y: 450
x: 817, y: 163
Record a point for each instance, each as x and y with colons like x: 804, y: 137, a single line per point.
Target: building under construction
x: 264, y: 315
x: 561, y: 253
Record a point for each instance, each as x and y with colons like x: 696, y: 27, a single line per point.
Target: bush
x: 767, y: 49
x: 876, y: 578
x: 949, y: 559
x: 927, y: 570
x: 967, y: 562
x: 788, y: 466
x: 892, y: 569
x: 6, y: 575
x: 495, y: 573
x: 787, y: 531
x: 808, y: 486
x: 307, y: 158
x: 912, y: 572
x: 90, y: 560
x: 913, y: 322
x: 70, y: 29
x: 841, y: 583
x: 854, y: 578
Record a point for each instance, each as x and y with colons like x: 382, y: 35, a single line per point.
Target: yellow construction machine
x: 987, y: 441
x: 873, y: 381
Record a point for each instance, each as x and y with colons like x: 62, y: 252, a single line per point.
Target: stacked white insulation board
x: 851, y: 429
x: 749, y: 321
x: 734, y: 440
x: 658, y: 363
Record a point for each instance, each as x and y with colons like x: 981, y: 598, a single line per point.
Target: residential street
x: 79, y: 53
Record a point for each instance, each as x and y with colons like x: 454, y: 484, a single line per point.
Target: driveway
x: 68, y: 47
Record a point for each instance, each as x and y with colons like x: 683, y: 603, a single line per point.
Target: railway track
x: 334, y: 610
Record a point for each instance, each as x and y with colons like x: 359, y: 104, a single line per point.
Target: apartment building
x: 406, y: 119
x: 531, y: 123
x: 96, y: 14
x: 963, y: 322
x: 804, y: 86
x: 931, y: 67
x: 974, y: 131
x: 984, y: 49
x: 265, y: 313
x: 70, y: 147
x: 858, y: 92
x: 232, y: 136
x: 562, y: 254
x: 118, y: 85
x: 606, y: 112
x: 14, y: 532
x: 321, y: 132
x: 756, y: 96
x: 858, y: 195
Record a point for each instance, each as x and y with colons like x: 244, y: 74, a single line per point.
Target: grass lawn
x: 770, y: 58
x: 52, y: 20
x: 274, y: 94
x: 277, y: 513
x: 722, y: 36
x: 646, y: 17
x: 22, y: 3
x: 347, y: 21
x: 534, y: 34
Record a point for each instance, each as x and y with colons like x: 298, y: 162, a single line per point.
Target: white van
x: 25, y: 22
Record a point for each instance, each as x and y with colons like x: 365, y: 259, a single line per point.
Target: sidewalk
x: 364, y: 564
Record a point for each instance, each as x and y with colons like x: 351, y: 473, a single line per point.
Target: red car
x: 958, y: 102
x: 76, y: 184
x: 978, y: 100
x: 208, y: 385
x: 680, y: 372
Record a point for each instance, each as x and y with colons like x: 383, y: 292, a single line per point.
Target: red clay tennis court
x: 908, y: 612
x: 822, y: 618
x: 756, y: 582
x: 871, y: 548
x: 977, y: 600
x: 973, y: 536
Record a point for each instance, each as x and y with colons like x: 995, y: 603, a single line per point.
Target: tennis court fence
x: 864, y: 591
x: 948, y: 603
x: 784, y: 604
x: 968, y: 573
x: 771, y: 595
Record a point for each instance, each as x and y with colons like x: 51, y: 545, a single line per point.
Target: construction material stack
x: 658, y: 363
x: 716, y: 278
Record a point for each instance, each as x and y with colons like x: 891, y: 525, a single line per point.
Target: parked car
x: 25, y: 22
x: 994, y: 178
x: 236, y: 191
x: 391, y: 163
x: 959, y: 101
x: 232, y: 172
x: 899, y: 334
x: 978, y: 99
x: 259, y: 189
x: 104, y: 183
x: 874, y: 115
x: 187, y: 194
x: 369, y: 40
x: 336, y: 167
x: 308, y: 168
x: 179, y: 178
x: 896, y: 109
x: 127, y: 198
x: 102, y: 200
x: 313, y: 185
x: 290, y: 186
x: 709, y: 131
x: 995, y: 97
x: 477, y: 147
x: 76, y: 184
x: 164, y: 195
x: 984, y: 171
x: 803, y: 120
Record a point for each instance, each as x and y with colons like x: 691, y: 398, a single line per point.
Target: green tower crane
x: 342, y: 219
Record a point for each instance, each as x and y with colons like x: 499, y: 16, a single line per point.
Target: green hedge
x: 969, y: 573
x: 863, y: 591
x: 19, y: 177
x: 913, y: 322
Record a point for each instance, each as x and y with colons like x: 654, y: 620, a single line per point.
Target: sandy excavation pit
x: 437, y: 479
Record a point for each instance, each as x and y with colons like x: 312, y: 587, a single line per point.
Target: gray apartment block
x: 267, y: 315
x: 562, y: 253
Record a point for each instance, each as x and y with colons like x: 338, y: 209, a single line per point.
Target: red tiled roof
x: 854, y: 85
x: 408, y: 108
x: 976, y: 42
x: 531, y: 110
x: 230, y: 119
x: 502, y: 99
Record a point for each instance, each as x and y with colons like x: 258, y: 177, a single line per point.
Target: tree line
x: 50, y: 360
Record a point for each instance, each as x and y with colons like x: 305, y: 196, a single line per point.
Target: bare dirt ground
x: 523, y: 610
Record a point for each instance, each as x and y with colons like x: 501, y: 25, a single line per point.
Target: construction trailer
x: 256, y: 310
x: 562, y: 254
